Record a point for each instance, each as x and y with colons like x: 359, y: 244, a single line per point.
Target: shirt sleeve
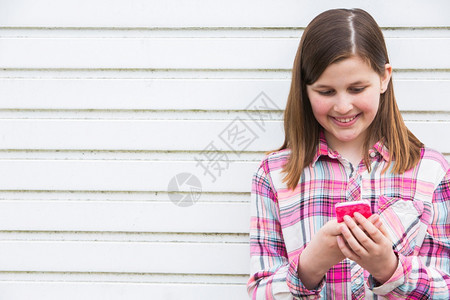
x: 427, y: 274
x: 273, y: 275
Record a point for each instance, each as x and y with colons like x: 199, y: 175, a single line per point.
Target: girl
x: 345, y: 140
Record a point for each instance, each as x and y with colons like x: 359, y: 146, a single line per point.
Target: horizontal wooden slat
x: 140, y: 134
x: 116, y: 175
x: 226, y: 135
x: 205, y: 94
x: 411, y: 95
x: 119, y: 291
x: 165, y: 94
x: 190, y: 53
x: 129, y: 216
x: 432, y: 134
x: 204, y: 13
x: 126, y: 257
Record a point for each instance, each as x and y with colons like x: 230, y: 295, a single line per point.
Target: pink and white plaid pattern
x: 415, y: 208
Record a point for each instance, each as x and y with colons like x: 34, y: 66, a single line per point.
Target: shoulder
x: 433, y: 165
x: 270, y: 170
x: 432, y: 156
x: 274, y: 161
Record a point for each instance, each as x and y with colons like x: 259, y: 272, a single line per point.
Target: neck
x: 351, y: 150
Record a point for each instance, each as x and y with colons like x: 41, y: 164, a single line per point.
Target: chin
x: 347, y: 139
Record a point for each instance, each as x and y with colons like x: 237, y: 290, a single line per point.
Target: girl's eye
x: 357, y: 90
x: 325, y: 93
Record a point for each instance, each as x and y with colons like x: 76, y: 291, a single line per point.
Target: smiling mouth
x: 346, y: 120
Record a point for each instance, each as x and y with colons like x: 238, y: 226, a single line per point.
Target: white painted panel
x: 171, y: 94
x: 120, y: 291
x: 432, y: 134
x: 410, y: 53
x: 127, y: 257
x: 134, y: 231
x: 225, y: 135
x: 117, y: 175
x: 427, y: 95
x: 190, y: 53
x: 140, y: 93
x: 129, y: 216
x: 205, y: 13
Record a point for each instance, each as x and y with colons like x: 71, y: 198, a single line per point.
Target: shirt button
x: 358, y: 280
x: 372, y: 154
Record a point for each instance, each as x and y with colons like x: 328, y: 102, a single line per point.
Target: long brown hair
x: 332, y: 36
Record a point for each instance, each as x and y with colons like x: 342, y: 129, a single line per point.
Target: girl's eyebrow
x: 327, y: 86
x: 359, y: 82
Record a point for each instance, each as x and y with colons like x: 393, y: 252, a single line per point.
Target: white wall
x: 103, y: 102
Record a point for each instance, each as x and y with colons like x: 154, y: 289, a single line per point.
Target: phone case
x: 349, y: 208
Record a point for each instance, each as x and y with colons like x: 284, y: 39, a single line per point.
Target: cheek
x: 319, y: 107
x: 370, y: 104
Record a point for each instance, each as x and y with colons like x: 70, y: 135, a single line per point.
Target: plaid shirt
x: 415, y: 211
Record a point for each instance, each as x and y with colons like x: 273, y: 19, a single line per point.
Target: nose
x: 343, y: 104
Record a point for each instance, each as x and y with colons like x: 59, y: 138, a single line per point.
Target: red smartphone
x: 349, y: 208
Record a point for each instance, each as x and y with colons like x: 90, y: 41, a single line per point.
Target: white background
x: 103, y: 102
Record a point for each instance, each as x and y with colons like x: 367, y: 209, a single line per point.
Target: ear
x: 386, y: 77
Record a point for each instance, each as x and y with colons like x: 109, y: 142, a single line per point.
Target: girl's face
x: 345, y: 100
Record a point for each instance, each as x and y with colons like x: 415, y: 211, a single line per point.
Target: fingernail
x: 347, y: 218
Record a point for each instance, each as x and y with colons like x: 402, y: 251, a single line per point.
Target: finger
x: 345, y: 249
x: 335, y: 231
x: 372, y: 231
x: 352, y: 235
x: 375, y: 220
x: 332, y: 228
x: 378, y: 224
x: 384, y: 231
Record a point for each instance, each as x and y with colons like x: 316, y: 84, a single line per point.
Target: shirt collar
x: 323, y: 149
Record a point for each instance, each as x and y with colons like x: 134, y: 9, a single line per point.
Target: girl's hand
x: 368, y: 245
x: 320, y: 255
x: 323, y: 250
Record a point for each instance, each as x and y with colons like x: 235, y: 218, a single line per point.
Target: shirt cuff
x: 295, y: 285
x: 397, y: 279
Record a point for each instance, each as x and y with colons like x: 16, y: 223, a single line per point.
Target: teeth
x: 346, y: 120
